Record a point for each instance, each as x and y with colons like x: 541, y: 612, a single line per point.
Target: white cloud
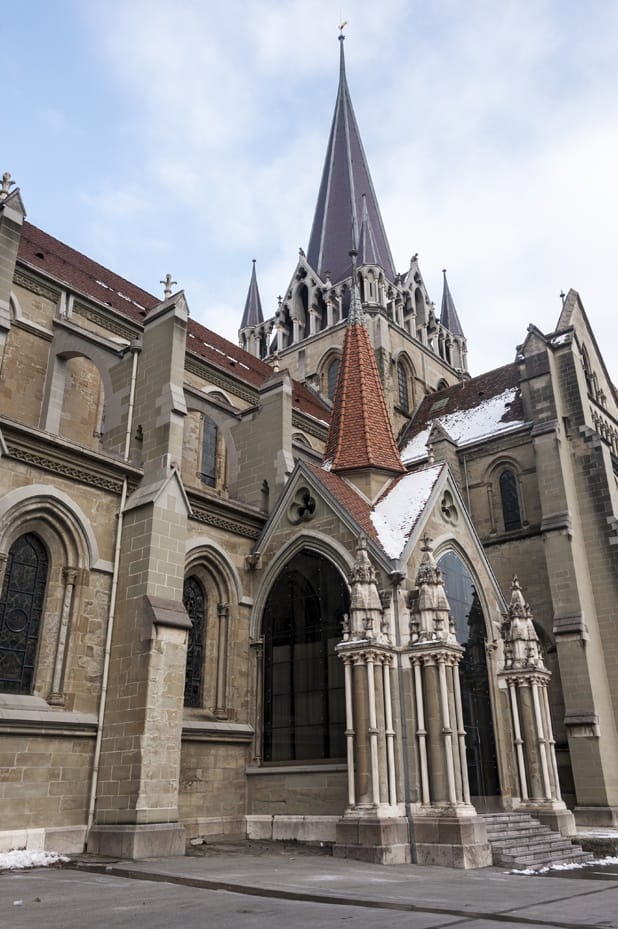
x: 490, y: 132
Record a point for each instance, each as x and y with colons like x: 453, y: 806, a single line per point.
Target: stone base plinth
x: 597, y: 816
x: 378, y: 841
x: 150, y: 840
x: 559, y: 820
x: 455, y: 841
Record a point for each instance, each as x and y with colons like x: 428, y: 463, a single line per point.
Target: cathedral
x: 322, y: 585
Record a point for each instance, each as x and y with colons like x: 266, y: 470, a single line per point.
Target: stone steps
x: 518, y: 840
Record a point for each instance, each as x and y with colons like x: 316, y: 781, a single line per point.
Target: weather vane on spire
x: 341, y: 28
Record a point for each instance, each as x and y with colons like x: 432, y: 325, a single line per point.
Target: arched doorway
x: 304, y: 698
x: 471, y: 633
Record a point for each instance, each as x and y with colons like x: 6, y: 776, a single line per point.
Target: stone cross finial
x: 168, y: 283
x: 7, y: 183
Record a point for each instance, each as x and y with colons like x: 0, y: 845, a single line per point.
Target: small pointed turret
x: 448, y: 314
x: 345, y: 179
x: 252, y: 315
x: 360, y: 438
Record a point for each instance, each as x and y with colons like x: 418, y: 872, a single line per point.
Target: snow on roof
x: 467, y: 426
x: 396, y: 514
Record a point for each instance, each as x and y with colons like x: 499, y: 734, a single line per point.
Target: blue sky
x: 189, y: 137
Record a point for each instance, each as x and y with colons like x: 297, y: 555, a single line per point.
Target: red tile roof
x: 85, y: 276
x: 360, y: 434
x: 357, y: 506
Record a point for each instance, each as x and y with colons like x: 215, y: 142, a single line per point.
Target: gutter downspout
x: 111, y: 615
x: 396, y: 579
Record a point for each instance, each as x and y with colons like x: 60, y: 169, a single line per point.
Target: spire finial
x: 168, y: 283
x: 341, y: 55
x: 7, y: 183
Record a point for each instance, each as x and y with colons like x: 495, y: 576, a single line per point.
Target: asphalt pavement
x: 257, y: 886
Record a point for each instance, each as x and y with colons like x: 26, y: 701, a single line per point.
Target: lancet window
x: 194, y: 600
x: 510, y: 501
x: 21, y: 612
x: 208, y: 470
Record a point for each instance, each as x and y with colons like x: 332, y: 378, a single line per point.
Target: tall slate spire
x: 345, y: 179
x: 252, y: 315
x: 448, y: 314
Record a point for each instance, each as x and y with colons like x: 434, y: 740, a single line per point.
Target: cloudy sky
x: 189, y: 137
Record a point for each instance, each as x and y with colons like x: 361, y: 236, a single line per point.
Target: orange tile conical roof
x: 360, y: 434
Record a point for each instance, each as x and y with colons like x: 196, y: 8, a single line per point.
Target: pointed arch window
x: 304, y: 702
x: 403, y: 392
x: 208, y: 472
x: 194, y: 600
x: 21, y: 612
x: 470, y: 629
x: 509, y: 496
x: 333, y: 372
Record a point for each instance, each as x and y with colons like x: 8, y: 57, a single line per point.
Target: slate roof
x: 252, y: 314
x: 85, y: 276
x: 360, y: 434
x: 470, y: 396
x: 345, y: 178
x: 448, y: 313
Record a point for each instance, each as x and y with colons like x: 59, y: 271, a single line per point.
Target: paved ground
x: 257, y: 886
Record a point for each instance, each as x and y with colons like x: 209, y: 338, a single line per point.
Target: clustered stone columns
x: 447, y: 828
x: 373, y: 828
x: 526, y: 681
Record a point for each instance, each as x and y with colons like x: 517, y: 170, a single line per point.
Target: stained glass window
x: 510, y: 501
x: 402, y: 383
x: 304, y: 699
x: 21, y: 612
x: 333, y: 371
x: 476, y: 706
x: 194, y: 600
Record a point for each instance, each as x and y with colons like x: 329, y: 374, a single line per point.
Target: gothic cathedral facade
x: 323, y: 585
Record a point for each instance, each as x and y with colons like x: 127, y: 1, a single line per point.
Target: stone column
x: 223, y: 616
x: 373, y: 827
x: 526, y: 681
x: 447, y: 828
x: 56, y: 696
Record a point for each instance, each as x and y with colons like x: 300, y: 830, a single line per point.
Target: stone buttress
x: 137, y: 798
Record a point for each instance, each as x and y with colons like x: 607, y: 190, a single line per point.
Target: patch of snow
x: 570, y: 865
x: 16, y: 860
x: 466, y: 426
x: 395, y: 516
x: 562, y: 339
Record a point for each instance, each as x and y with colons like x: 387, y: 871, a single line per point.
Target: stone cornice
x: 309, y: 424
x: 202, y: 368
x: 32, y: 282
x: 59, y: 456
x: 107, y: 321
x: 225, y: 514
